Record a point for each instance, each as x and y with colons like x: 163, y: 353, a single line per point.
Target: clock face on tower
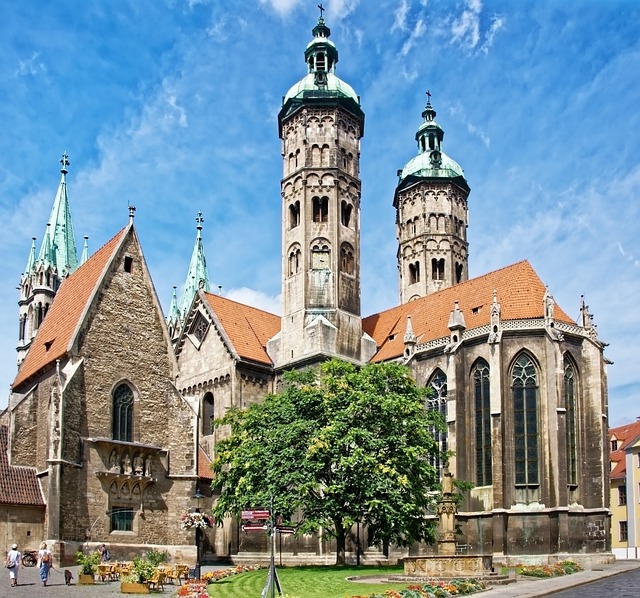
x: 320, y: 260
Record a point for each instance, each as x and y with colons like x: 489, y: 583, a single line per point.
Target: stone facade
x: 87, y: 476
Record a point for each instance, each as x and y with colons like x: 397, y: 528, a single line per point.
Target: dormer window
x: 614, y: 445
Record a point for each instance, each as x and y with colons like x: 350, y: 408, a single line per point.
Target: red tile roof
x: 520, y: 294
x: 624, y: 435
x: 18, y: 485
x: 247, y: 328
x: 204, y: 465
x: 56, y: 334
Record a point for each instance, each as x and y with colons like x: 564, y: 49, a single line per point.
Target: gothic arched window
x: 482, y: 398
x: 414, y: 272
x: 438, y: 402
x: 570, y: 400
x: 320, y: 209
x: 208, y: 414
x: 525, y: 420
x: 346, y: 259
x: 123, y: 413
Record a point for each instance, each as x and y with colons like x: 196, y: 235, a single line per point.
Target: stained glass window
x: 570, y: 405
x: 484, y: 474
x: 438, y: 402
x: 123, y: 413
x: 525, y: 420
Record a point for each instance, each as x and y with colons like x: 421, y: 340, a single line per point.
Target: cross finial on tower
x: 65, y: 162
x: 322, y: 9
x: 428, y: 97
x: 132, y: 213
x: 199, y: 220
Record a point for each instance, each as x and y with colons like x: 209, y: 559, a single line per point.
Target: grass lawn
x: 306, y: 582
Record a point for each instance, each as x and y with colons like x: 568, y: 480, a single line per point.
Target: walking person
x: 12, y: 563
x: 44, y: 562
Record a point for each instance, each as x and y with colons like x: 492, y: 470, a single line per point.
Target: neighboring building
x: 624, y: 447
x: 522, y: 386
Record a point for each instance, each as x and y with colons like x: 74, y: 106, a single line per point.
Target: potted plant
x: 88, y: 566
x: 135, y: 583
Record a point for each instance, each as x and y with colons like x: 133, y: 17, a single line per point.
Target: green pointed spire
x: 197, y: 276
x: 47, y: 257
x: 85, y: 251
x: 31, y: 261
x: 173, y: 318
x: 59, y: 238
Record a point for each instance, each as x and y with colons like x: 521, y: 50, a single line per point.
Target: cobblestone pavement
x: 622, y: 580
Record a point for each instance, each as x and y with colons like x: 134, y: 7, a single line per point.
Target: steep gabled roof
x: 57, y: 332
x: 247, y: 328
x: 520, y: 293
x: 625, y: 435
x: 18, y: 485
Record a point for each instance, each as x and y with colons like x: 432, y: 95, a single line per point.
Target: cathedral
x: 109, y: 433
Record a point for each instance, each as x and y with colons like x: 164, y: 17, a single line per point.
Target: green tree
x: 339, y: 445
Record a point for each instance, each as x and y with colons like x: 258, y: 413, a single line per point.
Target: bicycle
x: 30, y: 558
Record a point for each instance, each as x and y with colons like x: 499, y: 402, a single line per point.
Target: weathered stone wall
x: 22, y: 525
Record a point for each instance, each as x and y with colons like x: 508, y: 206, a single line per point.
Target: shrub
x: 88, y: 562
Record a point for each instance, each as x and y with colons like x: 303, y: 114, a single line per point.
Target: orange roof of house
x: 247, y: 328
x: 520, y: 293
x: 624, y: 435
x: 56, y: 333
x: 204, y: 465
x: 18, y: 485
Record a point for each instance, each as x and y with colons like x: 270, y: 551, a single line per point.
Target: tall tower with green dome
x: 320, y: 124
x: 431, y: 216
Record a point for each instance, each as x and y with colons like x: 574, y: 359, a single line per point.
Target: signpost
x: 261, y: 520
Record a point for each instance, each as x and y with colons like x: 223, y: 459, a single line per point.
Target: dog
x: 68, y: 576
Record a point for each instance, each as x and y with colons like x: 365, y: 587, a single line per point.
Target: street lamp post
x: 198, y: 496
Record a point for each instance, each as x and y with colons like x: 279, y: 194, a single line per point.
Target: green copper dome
x: 424, y: 165
x: 333, y: 85
x: 431, y: 161
x: 321, y: 81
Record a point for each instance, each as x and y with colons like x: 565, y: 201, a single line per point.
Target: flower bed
x: 193, y: 589
x: 434, y: 589
x: 555, y: 570
x: 213, y: 576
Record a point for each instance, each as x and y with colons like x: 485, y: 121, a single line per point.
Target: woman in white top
x: 44, y: 562
x: 13, y: 558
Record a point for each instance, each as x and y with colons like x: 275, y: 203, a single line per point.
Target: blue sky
x: 171, y: 105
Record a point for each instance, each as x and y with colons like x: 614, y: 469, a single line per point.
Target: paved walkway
x: 31, y: 586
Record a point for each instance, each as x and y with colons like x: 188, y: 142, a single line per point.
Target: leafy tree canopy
x: 339, y: 445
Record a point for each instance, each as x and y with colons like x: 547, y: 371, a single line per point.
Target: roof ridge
x: 264, y: 311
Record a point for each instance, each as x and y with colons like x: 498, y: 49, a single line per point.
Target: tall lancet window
x: 438, y: 402
x: 484, y: 472
x: 525, y: 420
x: 570, y: 400
x: 123, y: 413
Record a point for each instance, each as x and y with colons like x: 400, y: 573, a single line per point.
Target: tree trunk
x: 340, y: 542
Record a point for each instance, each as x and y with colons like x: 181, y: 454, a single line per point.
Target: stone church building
x: 110, y: 415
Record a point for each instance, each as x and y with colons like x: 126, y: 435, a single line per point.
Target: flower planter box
x: 86, y: 579
x: 131, y: 587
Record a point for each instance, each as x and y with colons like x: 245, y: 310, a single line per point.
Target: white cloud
x: 257, y: 299
x: 282, y: 7
x: 497, y: 23
x: 466, y: 30
x: 400, y: 14
x: 340, y: 9
x: 417, y: 33
x: 32, y: 66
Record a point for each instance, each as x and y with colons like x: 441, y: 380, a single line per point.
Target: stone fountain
x: 446, y: 563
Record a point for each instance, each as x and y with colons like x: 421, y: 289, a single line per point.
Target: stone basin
x: 448, y: 565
